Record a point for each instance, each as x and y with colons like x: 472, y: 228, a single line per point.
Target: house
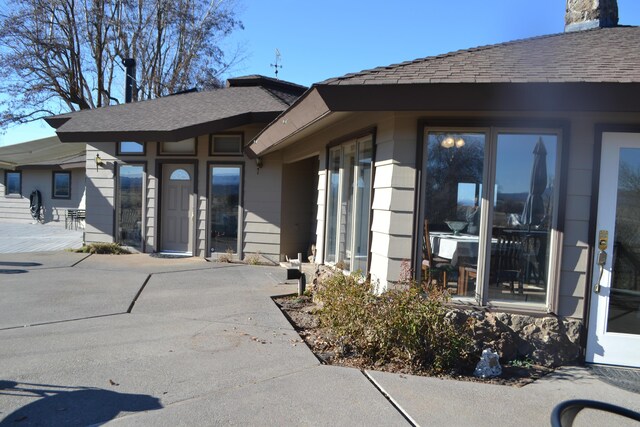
x: 510, y: 173
x: 507, y: 173
x: 169, y: 175
x: 56, y: 170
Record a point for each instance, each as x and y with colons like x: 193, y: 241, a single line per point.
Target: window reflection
x: 348, y: 205
x: 453, y: 190
x: 522, y: 217
x: 130, y: 188
x: 623, y: 315
x: 225, y: 202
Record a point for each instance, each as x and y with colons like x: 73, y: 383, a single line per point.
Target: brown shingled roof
x: 598, y: 55
x: 180, y: 116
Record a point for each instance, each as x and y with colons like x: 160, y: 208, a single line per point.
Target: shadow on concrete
x: 19, y: 264
x: 61, y: 405
x: 5, y: 271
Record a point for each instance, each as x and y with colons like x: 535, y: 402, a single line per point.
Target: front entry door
x: 614, y: 320
x: 177, y: 208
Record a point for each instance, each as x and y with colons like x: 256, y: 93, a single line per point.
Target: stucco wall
x: 17, y: 208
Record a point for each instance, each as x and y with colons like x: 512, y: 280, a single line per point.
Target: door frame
x: 159, y: 170
x: 599, y: 130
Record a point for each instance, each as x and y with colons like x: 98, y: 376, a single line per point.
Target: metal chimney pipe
x: 130, y: 79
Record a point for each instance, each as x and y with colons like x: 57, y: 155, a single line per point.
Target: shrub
x: 226, y: 257
x: 103, y: 248
x: 407, y: 324
x: 252, y: 259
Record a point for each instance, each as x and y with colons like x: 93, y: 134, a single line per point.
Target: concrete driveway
x: 136, y: 340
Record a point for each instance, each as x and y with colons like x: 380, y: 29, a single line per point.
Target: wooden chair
x: 433, y: 268
x: 509, y: 250
x: 467, y: 272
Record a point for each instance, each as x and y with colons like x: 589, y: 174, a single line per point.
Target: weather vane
x: 277, y: 65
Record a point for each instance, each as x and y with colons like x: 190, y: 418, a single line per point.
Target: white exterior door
x: 177, y: 218
x: 614, y: 320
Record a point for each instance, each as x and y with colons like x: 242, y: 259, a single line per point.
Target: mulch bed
x: 301, y: 313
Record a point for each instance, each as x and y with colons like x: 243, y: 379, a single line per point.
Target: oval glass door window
x: 180, y: 175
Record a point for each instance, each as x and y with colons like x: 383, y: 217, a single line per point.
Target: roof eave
x: 476, y: 96
x: 168, y: 135
x: 306, y: 111
x: 323, y: 99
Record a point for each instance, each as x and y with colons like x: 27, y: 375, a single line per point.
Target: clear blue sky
x: 329, y: 38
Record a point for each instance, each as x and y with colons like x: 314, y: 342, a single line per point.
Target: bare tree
x: 66, y: 55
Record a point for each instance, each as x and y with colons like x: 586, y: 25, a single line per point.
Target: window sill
x: 13, y: 196
x: 531, y: 309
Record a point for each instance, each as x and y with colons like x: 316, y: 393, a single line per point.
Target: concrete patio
x: 22, y: 236
x: 137, y: 340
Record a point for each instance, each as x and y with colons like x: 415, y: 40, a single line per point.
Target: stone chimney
x: 586, y: 14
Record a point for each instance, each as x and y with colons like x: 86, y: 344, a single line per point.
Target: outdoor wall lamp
x: 259, y: 163
x: 99, y: 162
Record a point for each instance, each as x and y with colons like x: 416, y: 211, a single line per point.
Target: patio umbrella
x: 533, y: 212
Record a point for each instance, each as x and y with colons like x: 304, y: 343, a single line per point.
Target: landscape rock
x: 489, y: 365
x: 548, y: 341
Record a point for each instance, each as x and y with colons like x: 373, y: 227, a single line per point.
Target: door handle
x: 602, y: 260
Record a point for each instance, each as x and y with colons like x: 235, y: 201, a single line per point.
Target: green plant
x: 406, y: 324
x: 103, y: 248
x: 522, y: 363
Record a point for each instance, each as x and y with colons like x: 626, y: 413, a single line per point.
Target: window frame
x: 491, y: 130
x: 118, y: 207
x: 53, y: 184
x: 241, y: 211
x: 6, y: 184
x: 120, y: 152
x: 212, y: 137
x: 356, y: 138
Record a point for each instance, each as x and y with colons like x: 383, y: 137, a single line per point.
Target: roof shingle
x: 599, y: 55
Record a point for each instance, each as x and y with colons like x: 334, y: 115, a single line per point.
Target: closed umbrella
x: 533, y: 213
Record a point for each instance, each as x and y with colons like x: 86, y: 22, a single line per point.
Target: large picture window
x: 490, y: 208
x: 348, y: 204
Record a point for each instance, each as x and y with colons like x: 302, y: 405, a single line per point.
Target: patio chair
x: 433, y: 267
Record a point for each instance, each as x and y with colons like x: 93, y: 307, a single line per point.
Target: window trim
x: 492, y: 128
x: 119, y: 151
x: 354, y: 137
x: 117, y: 207
x: 241, y: 210
x: 162, y: 153
x: 6, y: 184
x: 212, y: 152
x: 53, y: 184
